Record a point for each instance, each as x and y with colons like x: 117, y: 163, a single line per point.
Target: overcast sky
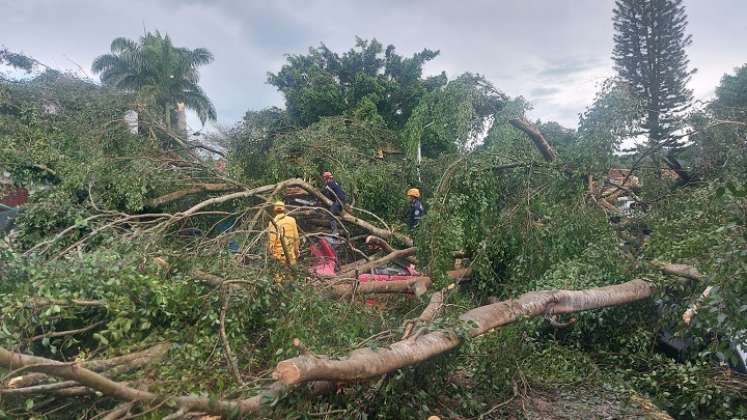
x: 553, y: 52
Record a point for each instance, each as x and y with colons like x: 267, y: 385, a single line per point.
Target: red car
x: 324, y: 264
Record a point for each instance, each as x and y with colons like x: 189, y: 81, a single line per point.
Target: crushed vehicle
x: 11, y: 200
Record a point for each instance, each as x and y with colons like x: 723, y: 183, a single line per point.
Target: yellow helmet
x: 278, y: 207
x: 413, y: 192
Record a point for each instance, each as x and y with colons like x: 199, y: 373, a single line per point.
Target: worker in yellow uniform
x: 286, y: 231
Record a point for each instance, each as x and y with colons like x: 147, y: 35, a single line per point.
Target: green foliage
x: 693, y: 390
x: 720, y: 129
x: 611, y: 119
x: 649, y: 55
x: 731, y: 94
x: 453, y: 118
x: 65, y: 140
x: 16, y: 60
x: 324, y: 83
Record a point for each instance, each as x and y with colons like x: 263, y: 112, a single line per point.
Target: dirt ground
x: 580, y: 403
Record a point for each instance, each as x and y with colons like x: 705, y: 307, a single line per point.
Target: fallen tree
x: 367, y: 363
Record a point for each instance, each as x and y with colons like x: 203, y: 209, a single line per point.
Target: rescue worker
x: 288, y: 232
x: 416, y: 212
x: 334, y: 192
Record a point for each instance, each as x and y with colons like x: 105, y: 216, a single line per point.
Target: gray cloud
x: 543, y: 91
x: 568, y: 66
x: 555, y: 53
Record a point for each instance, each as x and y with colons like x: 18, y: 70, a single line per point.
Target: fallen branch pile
x: 361, y: 364
x: 123, y: 392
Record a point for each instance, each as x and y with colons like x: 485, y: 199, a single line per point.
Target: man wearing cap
x: 283, y: 233
x: 416, y: 212
x: 334, y: 192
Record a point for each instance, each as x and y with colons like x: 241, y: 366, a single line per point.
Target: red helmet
x: 327, y: 175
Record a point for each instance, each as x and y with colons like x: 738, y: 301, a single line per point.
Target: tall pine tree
x: 649, y: 54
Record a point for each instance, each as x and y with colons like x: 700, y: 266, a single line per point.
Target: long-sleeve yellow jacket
x: 288, y: 231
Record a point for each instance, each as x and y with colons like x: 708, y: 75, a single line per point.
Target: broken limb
x: 384, y: 245
x: 681, y: 270
x: 42, y: 302
x: 429, y: 313
x: 194, y: 189
x: 418, y: 286
x: 553, y: 320
x: 379, y: 262
x: 64, y: 333
x: 74, y: 387
x: 233, y: 367
x: 689, y: 314
x: 210, y: 279
x: 368, y: 363
x: 120, y: 411
x: 123, y: 392
x: 536, y: 136
x: 148, y: 355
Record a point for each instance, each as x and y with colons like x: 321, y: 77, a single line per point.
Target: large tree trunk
x: 180, y: 117
x: 418, y: 286
x: 368, y: 363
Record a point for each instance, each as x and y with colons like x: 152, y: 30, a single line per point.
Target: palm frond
x: 121, y: 44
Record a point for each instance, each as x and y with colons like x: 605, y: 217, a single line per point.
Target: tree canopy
x: 159, y: 72
x: 324, y: 83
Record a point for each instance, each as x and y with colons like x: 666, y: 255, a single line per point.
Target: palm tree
x: 159, y: 72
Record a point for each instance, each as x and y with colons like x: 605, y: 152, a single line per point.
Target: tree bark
x: 123, y: 392
x: 210, y: 279
x: 194, y: 189
x: 681, y: 270
x: 544, y: 147
x: 384, y: 245
x: 365, y: 267
x: 368, y: 363
x: 689, y: 314
x: 133, y: 359
x: 418, y: 286
x: 460, y: 274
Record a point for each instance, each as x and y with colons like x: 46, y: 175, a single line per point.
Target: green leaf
x: 103, y: 340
